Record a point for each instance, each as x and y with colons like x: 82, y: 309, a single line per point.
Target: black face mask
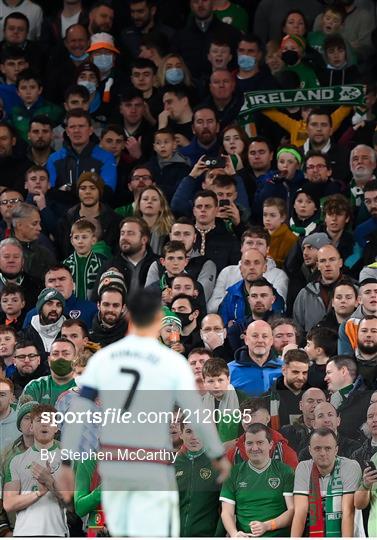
x: 290, y: 58
x: 184, y: 318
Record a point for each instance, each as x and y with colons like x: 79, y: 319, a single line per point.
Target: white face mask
x: 220, y: 335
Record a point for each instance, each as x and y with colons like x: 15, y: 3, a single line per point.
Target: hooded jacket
x: 280, y: 450
x: 8, y: 429
x: 347, y: 341
x: 308, y: 308
x: 43, y: 335
x: 247, y: 375
x: 65, y: 167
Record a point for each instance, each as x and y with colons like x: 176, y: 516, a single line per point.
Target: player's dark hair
x: 143, y: 307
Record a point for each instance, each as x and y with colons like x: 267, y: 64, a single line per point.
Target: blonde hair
x: 187, y: 81
x: 165, y: 218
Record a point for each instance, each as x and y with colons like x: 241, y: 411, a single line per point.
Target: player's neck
x: 149, y: 332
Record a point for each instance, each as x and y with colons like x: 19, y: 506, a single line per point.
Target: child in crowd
x: 306, y: 211
x: 8, y: 338
x: 174, y: 261
x: 331, y: 22
x: 171, y: 328
x: 12, y: 302
x: 219, y: 54
x: 29, y: 89
x: 222, y: 397
x: 84, y: 264
x: 321, y: 345
x: 339, y: 70
x: 282, y: 238
x: 168, y: 166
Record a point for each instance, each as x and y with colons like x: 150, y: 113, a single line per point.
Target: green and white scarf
x: 329, y: 523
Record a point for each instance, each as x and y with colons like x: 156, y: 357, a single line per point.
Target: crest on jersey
x: 74, y: 314
x: 274, y: 482
x: 205, y: 473
x: 179, y: 473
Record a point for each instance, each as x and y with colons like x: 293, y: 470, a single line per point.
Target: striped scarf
x: 329, y: 523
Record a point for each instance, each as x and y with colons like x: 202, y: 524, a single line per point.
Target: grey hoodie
x: 8, y: 429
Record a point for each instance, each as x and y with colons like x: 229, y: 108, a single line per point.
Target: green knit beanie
x: 26, y: 408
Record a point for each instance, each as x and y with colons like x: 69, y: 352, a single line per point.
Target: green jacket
x: 198, y: 494
x: 20, y: 116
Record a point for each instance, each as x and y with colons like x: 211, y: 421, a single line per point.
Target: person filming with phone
x: 234, y: 215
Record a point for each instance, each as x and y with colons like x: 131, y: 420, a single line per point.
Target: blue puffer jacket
x: 65, y: 165
x: 233, y: 306
x: 248, y: 376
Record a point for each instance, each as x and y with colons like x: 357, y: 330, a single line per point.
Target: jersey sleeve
x: 289, y: 479
x: 302, y: 479
x: 228, y: 491
x: 32, y: 390
x: 11, y: 472
x: 351, y: 476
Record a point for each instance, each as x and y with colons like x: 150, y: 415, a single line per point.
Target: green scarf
x: 300, y: 97
x: 330, y: 525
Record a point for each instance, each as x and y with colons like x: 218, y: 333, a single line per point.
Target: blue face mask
x: 174, y: 75
x: 89, y: 85
x: 246, y: 63
x: 104, y: 62
x: 81, y: 58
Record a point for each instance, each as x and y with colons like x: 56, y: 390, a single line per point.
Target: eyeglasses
x: 318, y: 166
x: 4, y: 202
x: 31, y: 356
x: 141, y: 177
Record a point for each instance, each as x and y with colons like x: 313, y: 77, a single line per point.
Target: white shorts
x: 141, y: 513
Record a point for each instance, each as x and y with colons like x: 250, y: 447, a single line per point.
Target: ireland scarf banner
x: 309, y: 97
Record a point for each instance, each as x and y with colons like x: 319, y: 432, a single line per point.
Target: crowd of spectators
x: 125, y: 163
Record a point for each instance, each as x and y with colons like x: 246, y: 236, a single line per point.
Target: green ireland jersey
x: 45, y: 390
x: 258, y: 494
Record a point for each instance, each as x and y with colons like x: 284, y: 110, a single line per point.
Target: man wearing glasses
x: 318, y: 171
x: 47, y: 389
x: 27, y: 361
x: 140, y: 178
x: 9, y: 199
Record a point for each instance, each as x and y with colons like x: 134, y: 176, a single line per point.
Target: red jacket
x: 280, y: 450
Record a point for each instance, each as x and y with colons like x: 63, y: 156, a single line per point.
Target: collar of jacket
x: 243, y: 358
